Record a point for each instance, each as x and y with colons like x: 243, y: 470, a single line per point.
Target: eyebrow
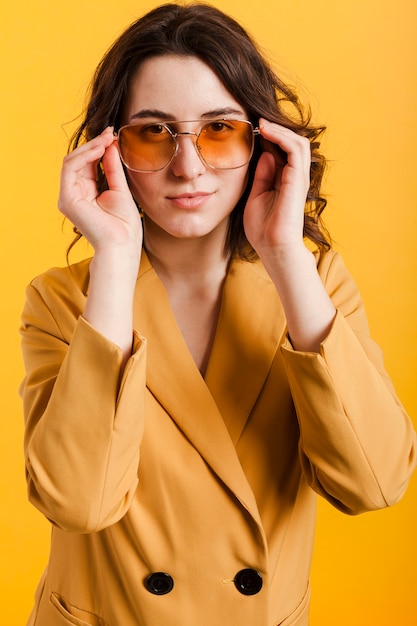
x: 163, y: 115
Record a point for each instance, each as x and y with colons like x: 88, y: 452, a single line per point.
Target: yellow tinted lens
x: 146, y: 147
x: 226, y: 144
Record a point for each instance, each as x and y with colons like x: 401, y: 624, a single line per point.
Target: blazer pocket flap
x: 74, y: 615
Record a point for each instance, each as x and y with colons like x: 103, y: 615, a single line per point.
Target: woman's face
x: 186, y: 199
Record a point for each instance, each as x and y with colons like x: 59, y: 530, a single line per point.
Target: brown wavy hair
x: 203, y: 31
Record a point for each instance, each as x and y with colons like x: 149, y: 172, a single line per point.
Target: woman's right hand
x: 109, y: 219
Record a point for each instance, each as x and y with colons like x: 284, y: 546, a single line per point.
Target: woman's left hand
x: 274, y: 214
x: 274, y: 222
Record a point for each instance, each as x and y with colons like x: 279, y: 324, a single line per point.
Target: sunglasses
x: 221, y: 144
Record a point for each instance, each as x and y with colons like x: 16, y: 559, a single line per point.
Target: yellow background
x: 356, y: 62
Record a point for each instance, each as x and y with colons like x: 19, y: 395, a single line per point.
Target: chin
x: 187, y: 227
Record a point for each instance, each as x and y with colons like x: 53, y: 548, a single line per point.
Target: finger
x: 94, y: 146
x: 265, y: 175
x: 83, y: 160
x: 113, y: 169
x: 79, y: 168
x: 295, y: 146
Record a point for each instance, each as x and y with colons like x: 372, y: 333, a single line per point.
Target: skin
x: 186, y: 208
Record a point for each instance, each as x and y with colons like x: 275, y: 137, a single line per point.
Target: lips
x: 190, y: 200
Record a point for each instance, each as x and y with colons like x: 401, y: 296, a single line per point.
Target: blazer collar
x: 212, y: 412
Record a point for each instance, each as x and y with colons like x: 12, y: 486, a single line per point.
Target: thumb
x: 264, y: 178
x: 113, y: 169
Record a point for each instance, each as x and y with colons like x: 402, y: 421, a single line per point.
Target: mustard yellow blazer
x: 178, y: 500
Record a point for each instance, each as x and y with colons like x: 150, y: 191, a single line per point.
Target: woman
x: 192, y: 388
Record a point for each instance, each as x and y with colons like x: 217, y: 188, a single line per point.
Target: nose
x: 187, y: 162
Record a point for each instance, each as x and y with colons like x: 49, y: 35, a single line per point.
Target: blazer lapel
x: 211, y: 412
x: 250, y: 329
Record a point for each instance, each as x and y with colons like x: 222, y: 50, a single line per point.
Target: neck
x: 185, y: 259
x: 193, y: 271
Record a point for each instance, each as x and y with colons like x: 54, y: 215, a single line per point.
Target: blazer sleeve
x: 357, y: 444
x: 83, y: 422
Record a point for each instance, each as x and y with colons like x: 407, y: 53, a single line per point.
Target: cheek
x: 142, y: 187
x: 240, y: 183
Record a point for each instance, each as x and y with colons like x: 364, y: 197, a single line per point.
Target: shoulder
x: 58, y: 294
x: 330, y: 267
x: 336, y: 276
x: 333, y: 272
x: 71, y: 278
x: 328, y: 262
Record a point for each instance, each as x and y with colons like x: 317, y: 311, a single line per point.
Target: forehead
x: 184, y: 87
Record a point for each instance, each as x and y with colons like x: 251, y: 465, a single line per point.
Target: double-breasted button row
x: 247, y: 581
x: 159, y: 583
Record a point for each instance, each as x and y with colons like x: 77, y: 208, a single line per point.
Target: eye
x: 154, y: 129
x: 152, y: 133
x: 219, y: 126
x: 219, y: 130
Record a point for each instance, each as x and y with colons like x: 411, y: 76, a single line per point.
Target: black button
x: 159, y: 583
x: 248, y: 581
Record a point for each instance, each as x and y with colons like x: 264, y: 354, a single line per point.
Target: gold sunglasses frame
x: 175, y: 135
